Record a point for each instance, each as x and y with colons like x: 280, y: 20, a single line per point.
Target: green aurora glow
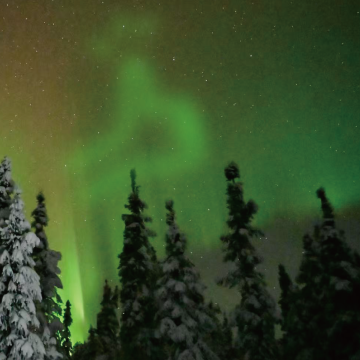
x: 270, y: 102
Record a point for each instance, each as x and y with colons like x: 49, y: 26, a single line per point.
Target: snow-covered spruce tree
x: 255, y: 316
x: 182, y: 318
x: 107, y: 323
x: 46, y: 265
x: 329, y: 297
x: 6, y: 190
x: 138, y: 272
x: 66, y: 334
x: 19, y: 287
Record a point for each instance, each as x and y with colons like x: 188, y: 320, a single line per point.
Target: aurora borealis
x: 177, y: 89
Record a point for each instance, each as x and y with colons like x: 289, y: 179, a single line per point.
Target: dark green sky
x: 178, y: 89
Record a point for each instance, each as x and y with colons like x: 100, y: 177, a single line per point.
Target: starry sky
x: 177, y: 89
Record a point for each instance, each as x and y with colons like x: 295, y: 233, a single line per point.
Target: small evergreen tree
x: 107, y: 322
x: 94, y: 346
x: 138, y: 271
x: 183, y: 318
x: 66, y: 334
x: 19, y: 287
x: 92, y: 349
x: 78, y: 351
x: 46, y: 260
x: 255, y: 317
x: 6, y: 190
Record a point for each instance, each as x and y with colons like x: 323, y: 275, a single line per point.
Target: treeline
x: 164, y: 315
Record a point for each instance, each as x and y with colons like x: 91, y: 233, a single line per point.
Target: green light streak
x: 153, y: 132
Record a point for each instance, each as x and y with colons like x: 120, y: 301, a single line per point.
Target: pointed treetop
x: 328, y: 211
x: 232, y: 171
x: 40, y: 197
x: 5, y: 171
x: 169, y: 205
x: 107, y: 293
x: 170, y: 217
x: 133, y: 182
x: 6, y: 163
x: 284, y: 279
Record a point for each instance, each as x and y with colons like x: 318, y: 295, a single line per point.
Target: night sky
x: 177, y: 89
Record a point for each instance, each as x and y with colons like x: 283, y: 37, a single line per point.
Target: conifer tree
x: 329, y: 295
x: 304, y: 309
x: 19, y: 287
x: 78, y: 351
x: 94, y: 346
x: 107, y: 322
x: 66, y: 334
x: 138, y: 271
x: 183, y: 319
x: 255, y: 316
x: 48, y: 310
x: 91, y: 349
x: 288, y: 299
x: 6, y: 190
x: 286, y: 286
x: 103, y: 342
x: 341, y: 281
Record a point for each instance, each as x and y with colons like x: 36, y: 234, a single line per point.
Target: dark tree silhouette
x: 46, y: 265
x: 327, y: 321
x: 138, y: 272
x: 66, y: 334
x: 255, y: 316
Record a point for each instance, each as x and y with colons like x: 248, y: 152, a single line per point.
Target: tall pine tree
x: 19, y: 287
x: 66, y: 334
x: 107, y: 322
x: 138, y: 271
x: 329, y: 295
x: 341, y: 286
x: 49, y: 309
x: 183, y: 317
x: 255, y: 316
x: 6, y: 190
